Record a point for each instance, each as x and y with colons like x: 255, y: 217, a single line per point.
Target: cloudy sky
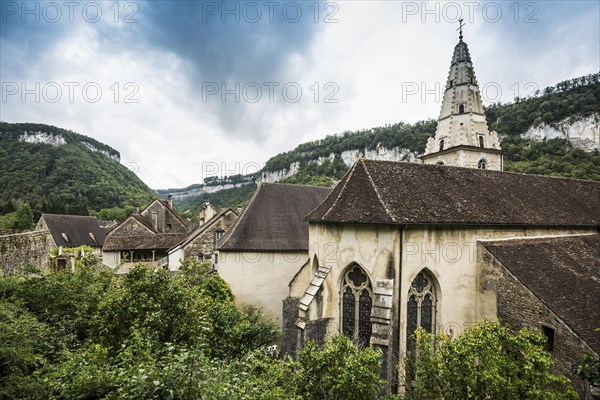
x: 189, y: 89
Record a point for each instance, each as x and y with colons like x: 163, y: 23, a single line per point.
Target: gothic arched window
x: 357, y: 300
x: 420, y: 312
x: 481, y: 141
x: 461, y: 109
x: 441, y: 144
x: 482, y: 164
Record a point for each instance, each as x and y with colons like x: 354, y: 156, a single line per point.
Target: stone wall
x: 25, y: 248
x: 204, y: 243
x: 519, y: 308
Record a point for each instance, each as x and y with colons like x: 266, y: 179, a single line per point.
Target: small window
x: 451, y: 83
x: 481, y: 141
x: 441, y: 144
x: 461, y: 109
x: 439, y: 163
x: 482, y: 164
x: 169, y: 226
x: 549, y: 333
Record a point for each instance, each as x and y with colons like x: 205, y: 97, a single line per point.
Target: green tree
x: 339, y: 371
x: 487, y: 362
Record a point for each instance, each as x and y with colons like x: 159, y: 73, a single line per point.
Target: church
x: 442, y: 244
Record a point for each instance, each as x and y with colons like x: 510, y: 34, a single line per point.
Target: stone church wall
x: 25, y: 248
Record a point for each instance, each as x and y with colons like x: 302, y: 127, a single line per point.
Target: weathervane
x: 460, y: 22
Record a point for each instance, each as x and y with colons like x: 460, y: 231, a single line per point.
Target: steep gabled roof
x: 562, y: 272
x: 388, y: 192
x: 144, y: 221
x: 202, y: 228
x: 275, y: 219
x: 172, y: 210
x: 74, y: 230
x: 159, y: 241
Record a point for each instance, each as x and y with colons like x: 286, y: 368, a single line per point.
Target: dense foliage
x: 486, y: 362
x: 578, y: 97
x: 66, y: 179
x: 91, y: 335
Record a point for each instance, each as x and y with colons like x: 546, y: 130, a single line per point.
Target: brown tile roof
x: 139, y: 242
x: 275, y: 219
x: 563, y: 272
x: 74, y: 230
x: 390, y: 192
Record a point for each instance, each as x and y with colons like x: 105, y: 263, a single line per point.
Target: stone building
x: 51, y: 232
x: 144, y: 237
x: 268, y: 245
x: 201, y: 243
x: 397, y: 245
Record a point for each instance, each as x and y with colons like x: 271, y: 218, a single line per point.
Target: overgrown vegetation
x: 486, y: 362
x: 66, y: 179
x: 91, y: 335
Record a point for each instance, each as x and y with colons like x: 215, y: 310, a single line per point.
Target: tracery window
x: 357, y: 300
x: 420, y: 312
x: 482, y: 164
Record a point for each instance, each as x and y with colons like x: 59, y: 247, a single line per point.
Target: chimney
x: 170, y: 200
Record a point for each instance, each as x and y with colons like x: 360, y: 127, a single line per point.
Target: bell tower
x: 462, y: 138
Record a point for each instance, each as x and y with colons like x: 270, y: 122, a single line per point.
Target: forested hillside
x: 58, y: 171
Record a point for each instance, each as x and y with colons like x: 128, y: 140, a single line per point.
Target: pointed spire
x: 462, y: 123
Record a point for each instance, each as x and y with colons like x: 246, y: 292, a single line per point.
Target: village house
x: 268, y: 245
x: 201, y: 243
x: 144, y: 237
x: 52, y: 234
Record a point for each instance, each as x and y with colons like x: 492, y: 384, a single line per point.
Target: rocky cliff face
x: 582, y: 133
x: 54, y: 139
x: 349, y: 157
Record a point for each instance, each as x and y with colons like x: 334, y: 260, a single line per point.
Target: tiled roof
x: 74, y: 230
x: 275, y: 219
x: 563, y: 272
x: 140, y: 242
x: 389, y: 192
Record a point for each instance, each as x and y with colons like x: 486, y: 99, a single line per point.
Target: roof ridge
x: 491, y: 171
x: 347, y: 177
x: 232, y: 229
x: 374, y: 187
